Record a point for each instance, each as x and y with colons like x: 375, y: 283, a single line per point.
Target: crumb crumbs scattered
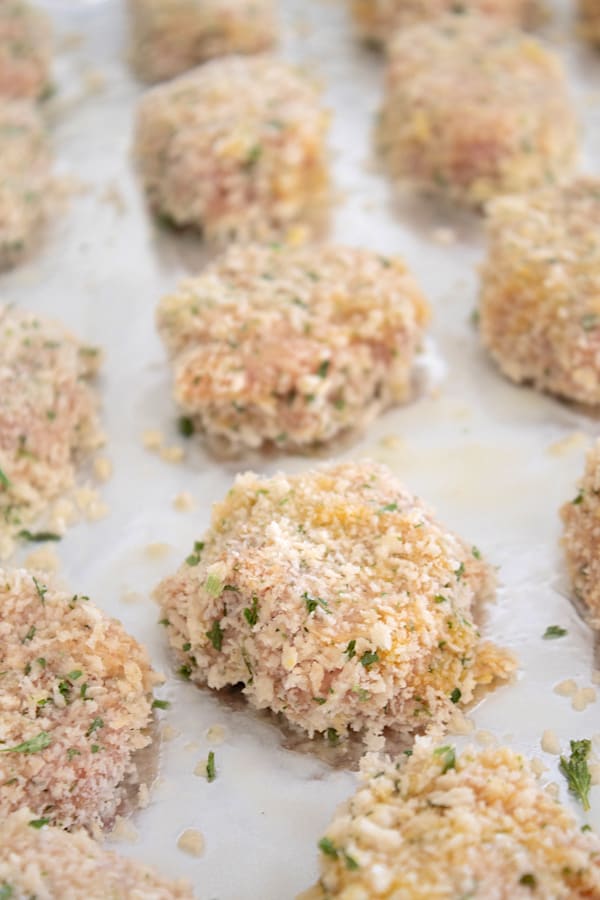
x: 216, y: 734
x: 485, y: 738
x: 460, y: 724
x: 444, y: 236
x: 390, y: 442
x: 172, y: 454
x: 538, y: 766
x: 200, y: 768
x: 103, y: 468
x: 191, y: 842
x: 183, y: 502
x: 583, y: 698
x: 152, y: 439
x: 157, y: 550
x: 123, y: 830
x: 143, y: 796
x: 566, y: 688
x: 572, y: 441
x: 553, y: 790
x: 550, y: 742
x: 131, y: 597
x: 44, y: 558
x: 191, y: 747
x: 168, y: 733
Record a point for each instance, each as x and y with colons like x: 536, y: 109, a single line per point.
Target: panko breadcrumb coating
x: 25, y: 51
x: 292, y: 346
x: 170, y: 38
x: 48, y: 415
x: 47, y: 863
x: 473, y: 110
x: 589, y: 17
x: 336, y: 599
x: 581, y: 540
x: 448, y: 826
x: 540, y: 291
x: 376, y: 20
x: 75, y: 703
x: 235, y: 148
x: 25, y: 184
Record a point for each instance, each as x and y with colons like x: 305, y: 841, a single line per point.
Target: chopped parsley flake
x: 185, y: 426
x: 38, y: 823
x: 251, y: 612
x: 211, y: 772
x: 33, y: 745
x: 73, y: 751
x: 327, y: 847
x: 4, y: 481
x: 333, y: 737
x: 185, y: 672
x: 38, y: 537
x: 6, y: 891
x: 41, y: 589
x: 528, y: 880
x: 323, y: 369
x: 576, y: 771
x: 389, y: 507
x: 96, y: 724
x: 194, y: 558
x: 476, y: 552
x: 30, y: 635
x: 213, y: 585
x: 312, y: 603
x: 215, y: 635
x: 350, y: 650
x: 578, y: 499
x: 369, y: 658
x: 554, y: 631
x: 456, y: 695
x: 460, y: 571
x: 160, y: 704
x: 448, y: 757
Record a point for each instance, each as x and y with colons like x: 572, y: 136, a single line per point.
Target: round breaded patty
x: 75, y: 703
x: 170, y: 38
x: 292, y: 346
x: 25, y: 51
x: 234, y: 148
x: 337, y: 600
x: 589, y: 17
x: 47, y: 863
x: 26, y: 184
x: 581, y: 539
x: 48, y: 414
x: 473, y: 110
x: 448, y: 826
x: 376, y: 20
x: 540, y: 289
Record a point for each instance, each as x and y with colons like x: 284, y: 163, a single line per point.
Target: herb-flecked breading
x: 540, y: 289
x: 170, y: 38
x: 474, y: 111
x: 75, y: 700
x: 377, y: 20
x: 38, y: 860
x: 26, y: 185
x: 438, y: 824
x: 25, y: 51
x: 292, y: 346
x: 321, y: 590
x: 581, y: 537
x: 48, y: 416
x: 235, y: 148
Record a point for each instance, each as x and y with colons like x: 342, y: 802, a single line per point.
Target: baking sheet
x: 486, y: 454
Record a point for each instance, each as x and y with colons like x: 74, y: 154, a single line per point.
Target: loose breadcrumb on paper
x: 75, y: 697
x: 447, y: 825
x: 550, y: 742
x: 338, y: 600
x: 292, y: 347
x: 191, y: 842
x: 47, y: 862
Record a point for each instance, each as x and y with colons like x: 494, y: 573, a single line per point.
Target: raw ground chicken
x: 170, y: 38
x: 581, y: 539
x: 473, y: 110
x: 25, y: 51
x: 448, y: 826
x: 540, y: 289
x: 589, y: 17
x: 292, y: 346
x: 75, y: 703
x: 48, y: 419
x: 236, y: 147
x: 50, y: 864
x: 377, y: 19
x: 337, y: 600
x: 26, y: 185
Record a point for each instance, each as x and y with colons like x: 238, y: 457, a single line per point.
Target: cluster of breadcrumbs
x: 581, y: 540
x: 540, y: 294
x: 236, y: 147
x: 338, y: 600
x: 376, y: 20
x: 170, y: 38
x: 473, y: 110
x: 48, y: 415
x: 589, y: 16
x: 26, y: 184
x: 37, y: 860
x: 25, y: 51
x: 75, y: 703
x: 436, y: 824
x: 292, y: 346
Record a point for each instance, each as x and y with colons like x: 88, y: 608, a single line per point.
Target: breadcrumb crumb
x: 581, y: 538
